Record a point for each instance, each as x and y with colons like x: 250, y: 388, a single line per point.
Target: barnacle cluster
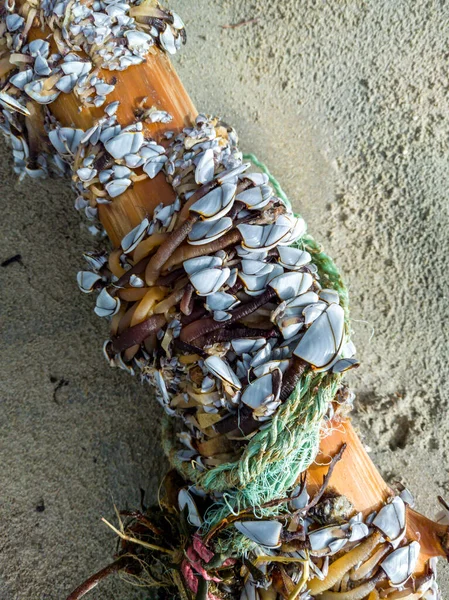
x: 214, y: 324
x: 90, y: 41
x: 223, y: 304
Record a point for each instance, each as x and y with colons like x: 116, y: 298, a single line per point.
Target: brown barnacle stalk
x: 204, y: 327
x: 227, y: 335
x: 292, y: 376
x: 186, y: 251
x: 159, y: 257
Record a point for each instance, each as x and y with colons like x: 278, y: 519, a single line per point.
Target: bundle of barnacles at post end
x: 219, y: 300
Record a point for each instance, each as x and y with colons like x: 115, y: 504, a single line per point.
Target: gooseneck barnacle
x: 220, y: 300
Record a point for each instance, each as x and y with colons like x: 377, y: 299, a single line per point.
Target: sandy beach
x: 347, y: 103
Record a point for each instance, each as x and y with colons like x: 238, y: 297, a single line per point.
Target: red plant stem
x: 119, y: 565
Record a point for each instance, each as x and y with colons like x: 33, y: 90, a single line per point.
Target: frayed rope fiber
x: 276, y: 456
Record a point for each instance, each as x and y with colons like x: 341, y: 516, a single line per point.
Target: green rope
x: 275, y: 457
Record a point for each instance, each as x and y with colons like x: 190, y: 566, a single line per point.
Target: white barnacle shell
x: 66, y: 83
x: 167, y: 40
x: 105, y: 176
x: 257, y: 284
x: 256, y: 198
x: 291, y: 284
x: 247, y: 345
x: 321, y: 343
x: 261, y: 391
x: 158, y: 116
x: 106, y: 305
x: 261, y: 356
x: 330, y: 296
x: 344, y: 364
x: 204, y: 232
x: 87, y: 280
x: 116, y: 187
x: 209, y: 281
x: 164, y: 213
x: 293, y: 258
x: 95, y: 261
x: 232, y: 279
x: 256, y: 267
x: 401, y: 563
x: 136, y: 282
x: 153, y: 166
x: 232, y: 174
x: 256, y: 178
x: 111, y: 108
x: 254, y: 285
x: 120, y: 171
x: 299, y: 497
x: 150, y: 151
x: 200, y: 263
x: 264, y: 533
x: 35, y: 90
x: 204, y: 171
x: 133, y: 161
x: 106, y: 134
x: 221, y: 301
x: 221, y: 316
x: 222, y: 370
x: 91, y: 212
x: 270, y: 366
x: 258, y: 237
x: 86, y: 174
x: 186, y: 501
x: 138, y: 40
x: 331, y: 537
x: 41, y: 67
x: 12, y: 104
x: 391, y: 520
x: 14, y: 22
x: 65, y: 139
x: 39, y: 47
x: 407, y: 497
x: 134, y: 237
x: 177, y: 21
x: 103, y: 89
x: 302, y: 301
x: 255, y: 255
x: 298, y: 229
x: 20, y: 79
x: 217, y: 203
x: 128, y: 142
x: 74, y: 65
x: 358, y: 529
x: 289, y: 320
x: 313, y: 311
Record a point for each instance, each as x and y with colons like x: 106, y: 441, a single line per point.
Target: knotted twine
x: 276, y: 456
